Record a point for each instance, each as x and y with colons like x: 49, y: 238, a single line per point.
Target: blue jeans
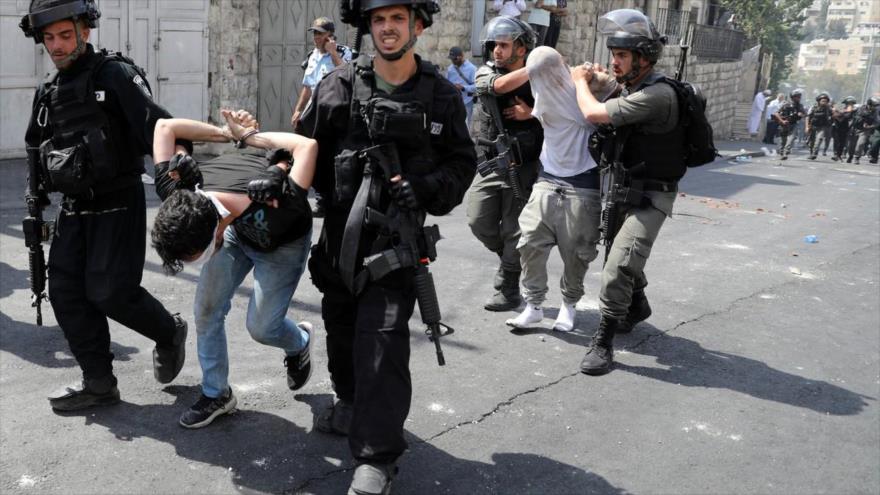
x: 276, y: 275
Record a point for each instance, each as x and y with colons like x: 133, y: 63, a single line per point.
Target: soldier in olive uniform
x: 819, y: 124
x: 787, y: 117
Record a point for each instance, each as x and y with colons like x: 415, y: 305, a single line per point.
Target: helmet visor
x: 43, y: 18
x: 501, y: 28
x: 625, y: 22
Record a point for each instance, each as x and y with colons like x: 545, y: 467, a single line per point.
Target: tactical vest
x: 864, y: 117
x: 82, y: 158
x: 663, y: 155
x: 528, y: 133
x: 821, y: 117
x: 401, y: 117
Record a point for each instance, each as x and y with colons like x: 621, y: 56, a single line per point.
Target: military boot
x: 639, y: 310
x: 600, y: 354
x: 90, y: 393
x: 507, y: 297
x: 168, y: 360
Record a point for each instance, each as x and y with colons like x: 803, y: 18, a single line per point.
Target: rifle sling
x: 352, y: 234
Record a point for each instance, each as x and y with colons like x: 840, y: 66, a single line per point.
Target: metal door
x: 284, y: 45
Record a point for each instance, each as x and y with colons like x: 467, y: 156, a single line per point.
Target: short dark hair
x: 183, y: 227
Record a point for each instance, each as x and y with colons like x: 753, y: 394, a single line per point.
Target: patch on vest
x: 436, y: 128
x: 100, y: 96
x: 143, y: 85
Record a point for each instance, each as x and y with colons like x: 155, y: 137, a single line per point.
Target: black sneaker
x: 168, y: 361
x: 206, y: 410
x: 372, y: 479
x: 299, y: 366
x: 84, y: 395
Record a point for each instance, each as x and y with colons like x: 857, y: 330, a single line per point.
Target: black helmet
x: 423, y: 8
x: 873, y: 101
x: 629, y: 29
x: 822, y: 95
x: 849, y: 100
x: 796, y: 93
x: 44, y: 12
x: 506, y: 28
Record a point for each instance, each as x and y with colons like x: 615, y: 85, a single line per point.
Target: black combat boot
x: 168, y: 360
x: 600, y: 354
x: 90, y: 393
x: 507, y: 297
x: 639, y: 310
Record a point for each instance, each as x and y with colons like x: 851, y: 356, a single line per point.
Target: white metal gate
x: 284, y: 44
x: 168, y: 38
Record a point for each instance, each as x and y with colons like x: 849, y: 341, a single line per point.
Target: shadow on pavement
x: 714, y: 183
x: 424, y: 468
x: 687, y: 363
x: 44, y: 346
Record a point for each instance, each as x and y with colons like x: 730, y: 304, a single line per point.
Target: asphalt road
x: 759, y: 371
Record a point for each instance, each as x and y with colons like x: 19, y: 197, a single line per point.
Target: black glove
x: 271, y: 185
x: 187, y: 169
x: 405, y: 195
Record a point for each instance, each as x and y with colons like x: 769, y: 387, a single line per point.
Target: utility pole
x: 869, y: 70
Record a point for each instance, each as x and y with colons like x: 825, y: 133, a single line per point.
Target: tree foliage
x: 776, y: 25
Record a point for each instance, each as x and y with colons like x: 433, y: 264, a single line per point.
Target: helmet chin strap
x: 634, y: 73
x: 77, y: 51
x: 391, y: 57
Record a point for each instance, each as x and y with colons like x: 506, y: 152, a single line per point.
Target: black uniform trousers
x: 95, y: 267
x: 368, y: 355
x: 840, y: 133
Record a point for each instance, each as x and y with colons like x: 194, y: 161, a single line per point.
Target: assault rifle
x: 508, y: 156
x: 619, y: 189
x: 413, y: 245
x: 36, y: 231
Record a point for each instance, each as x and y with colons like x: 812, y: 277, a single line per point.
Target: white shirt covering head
x: 565, y: 151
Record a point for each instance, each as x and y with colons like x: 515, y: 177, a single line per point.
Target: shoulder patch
x: 100, y: 96
x: 436, y: 128
x: 139, y: 81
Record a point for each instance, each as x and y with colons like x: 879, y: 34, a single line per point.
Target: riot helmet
x: 357, y: 13
x: 873, y: 101
x: 796, y: 93
x: 506, y: 28
x: 849, y: 100
x: 629, y: 29
x: 45, y: 12
x: 820, y: 96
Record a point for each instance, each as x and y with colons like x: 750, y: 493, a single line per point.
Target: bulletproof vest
x: 663, y: 155
x: 82, y: 157
x: 821, y: 116
x: 402, y: 117
x: 790, y: 110
x: 864, y: 117
x: 528, y: 133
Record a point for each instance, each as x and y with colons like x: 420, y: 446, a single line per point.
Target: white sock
x: 531, y: 315
x: 565, y: 319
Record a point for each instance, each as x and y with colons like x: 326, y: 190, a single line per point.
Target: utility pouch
x: 393, y: 120
x: 65, y: 168
x: 347, y: 169
x: 101, y: 165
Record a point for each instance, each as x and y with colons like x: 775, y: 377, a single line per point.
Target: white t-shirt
x: 512, y: 8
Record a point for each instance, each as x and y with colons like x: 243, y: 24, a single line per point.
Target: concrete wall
x: 233, y: 56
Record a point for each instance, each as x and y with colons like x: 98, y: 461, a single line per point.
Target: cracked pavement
x: 758, y: 372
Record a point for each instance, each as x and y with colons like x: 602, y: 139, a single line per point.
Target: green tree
x: 776, y: 25
x: 836, y: 30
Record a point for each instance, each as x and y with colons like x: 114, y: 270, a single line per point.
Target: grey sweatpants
x: 565, y: 217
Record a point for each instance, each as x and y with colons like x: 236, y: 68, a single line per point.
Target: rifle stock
x: 508, y: 156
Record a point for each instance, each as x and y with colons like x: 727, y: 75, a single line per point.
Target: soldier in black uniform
x: 819, y: 124
x: 864, y: 121
x: 648, y: 113
x: 92, y: 122
x: 493, y: 210
x: 396, y: 100
x: 841, y: 119
x: 788, y: 116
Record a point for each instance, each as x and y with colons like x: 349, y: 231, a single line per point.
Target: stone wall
x: 233, y: 59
